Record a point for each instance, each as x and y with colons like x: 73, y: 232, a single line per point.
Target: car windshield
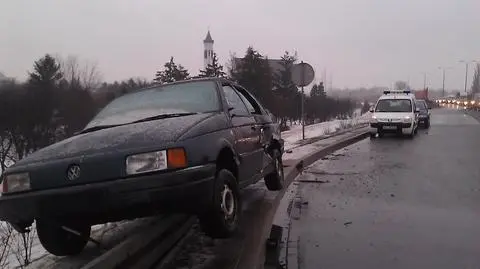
x: 394, y: 105
x: 190, y: 97
x: 421, y: 105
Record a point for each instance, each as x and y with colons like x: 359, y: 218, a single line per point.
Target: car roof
x: 191, y: 80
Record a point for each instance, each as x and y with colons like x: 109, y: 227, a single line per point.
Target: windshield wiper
x: 165, y: 116
x: 157, y: 117
x: 96, y: 128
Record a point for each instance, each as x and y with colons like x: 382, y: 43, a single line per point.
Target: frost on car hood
x: 137, y: 135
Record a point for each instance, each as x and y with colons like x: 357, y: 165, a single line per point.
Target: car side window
x: 252, y: 106
x: 235, y: 101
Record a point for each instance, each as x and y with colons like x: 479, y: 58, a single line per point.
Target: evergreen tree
x: 171, y: 73
x: 46, y: 72
x: 318, y: 91
x: 253, y: 72
x: 214, y: 69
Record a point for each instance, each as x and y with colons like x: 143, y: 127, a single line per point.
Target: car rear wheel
x: 221, y: 218
x: 61, y: 242
x: 275, y: 180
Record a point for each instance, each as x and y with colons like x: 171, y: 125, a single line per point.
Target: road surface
x: 395, y: 203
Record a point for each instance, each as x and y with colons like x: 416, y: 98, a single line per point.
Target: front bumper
x: 391, y: 127
x: 189, y: 189
x: 423, y: 119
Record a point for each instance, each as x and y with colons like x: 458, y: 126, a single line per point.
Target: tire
x: 60, y: 242
x: 275, y: 180
x: 372, y: 135
x: 380, y: 134
x: 222, y: 217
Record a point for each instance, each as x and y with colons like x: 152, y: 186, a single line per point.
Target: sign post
x: 302, y: 75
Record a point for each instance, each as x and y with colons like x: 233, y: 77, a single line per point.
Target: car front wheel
x: 61, y: 242
x: 275, y: 180
x: 221, y: 218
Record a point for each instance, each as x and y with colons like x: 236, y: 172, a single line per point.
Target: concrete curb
x: 289, y: 253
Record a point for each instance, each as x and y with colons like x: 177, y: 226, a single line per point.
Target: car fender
x: 225, y: 143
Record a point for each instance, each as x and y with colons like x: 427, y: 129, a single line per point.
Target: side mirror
x: 230, y: 109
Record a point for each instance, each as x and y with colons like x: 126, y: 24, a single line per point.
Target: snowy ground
x: 292, y: 137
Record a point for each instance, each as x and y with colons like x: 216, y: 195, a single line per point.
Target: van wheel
x: 222, y: 217
x: 60, y: 242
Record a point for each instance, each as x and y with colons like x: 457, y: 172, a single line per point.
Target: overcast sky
x: 358, y: 42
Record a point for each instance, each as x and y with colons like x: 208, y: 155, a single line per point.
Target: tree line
x: 60, y: 96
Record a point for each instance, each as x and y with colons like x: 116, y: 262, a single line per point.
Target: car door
x: 244, y: 127
x: 264, y: 124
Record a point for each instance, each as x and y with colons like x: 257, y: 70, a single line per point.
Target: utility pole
x: 302, y: 110
x: 466, y: 72
x: 443, y: 83
x: 424, y: 80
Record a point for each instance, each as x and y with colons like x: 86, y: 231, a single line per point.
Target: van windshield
x: 394, y: 105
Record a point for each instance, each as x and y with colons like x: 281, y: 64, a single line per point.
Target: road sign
x: 302, y: 74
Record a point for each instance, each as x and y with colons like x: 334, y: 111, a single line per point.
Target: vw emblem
x: 73, y: 172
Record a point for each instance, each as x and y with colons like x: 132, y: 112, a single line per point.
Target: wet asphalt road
x: 396, y: 203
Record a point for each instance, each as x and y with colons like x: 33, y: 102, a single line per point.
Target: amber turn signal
x: 176, y: 158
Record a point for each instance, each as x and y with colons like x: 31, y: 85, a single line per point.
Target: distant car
x: 181, y: 147
x: 424, y: 113
x: 394, y: 112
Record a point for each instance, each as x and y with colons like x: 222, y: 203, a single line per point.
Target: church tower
x: 208, y: 50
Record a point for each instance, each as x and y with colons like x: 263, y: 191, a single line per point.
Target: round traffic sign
x: 302, y: 74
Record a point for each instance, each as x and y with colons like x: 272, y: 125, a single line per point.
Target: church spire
x: 208, y: 39
x: 208, y: 50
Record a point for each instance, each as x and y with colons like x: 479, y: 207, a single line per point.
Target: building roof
x: 208, y: 39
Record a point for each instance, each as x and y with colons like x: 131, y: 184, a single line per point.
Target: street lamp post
x: 466, y: 72
x: 424, y: 80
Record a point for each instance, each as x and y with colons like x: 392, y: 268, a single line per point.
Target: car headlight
x: 472, y: 102
x: 156, y: 161
x: 373, y: 118
x: 16, y: 182
x: 407, y: 119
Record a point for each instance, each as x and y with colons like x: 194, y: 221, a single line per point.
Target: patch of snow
x: 294, y: 135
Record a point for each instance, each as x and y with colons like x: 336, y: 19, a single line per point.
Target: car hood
x: 119, y: 138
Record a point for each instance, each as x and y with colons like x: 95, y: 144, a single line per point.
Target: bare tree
x: 6, y: 232
x: 80, y: 73
x: 90, y: 75
x: 21, y: 246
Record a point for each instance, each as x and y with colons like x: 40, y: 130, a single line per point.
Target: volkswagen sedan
x: 188, y: 146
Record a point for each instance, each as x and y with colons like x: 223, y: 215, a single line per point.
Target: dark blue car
x: 188, y: 146
x: 424, y: 114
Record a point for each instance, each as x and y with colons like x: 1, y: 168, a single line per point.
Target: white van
x: 394, y: 112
